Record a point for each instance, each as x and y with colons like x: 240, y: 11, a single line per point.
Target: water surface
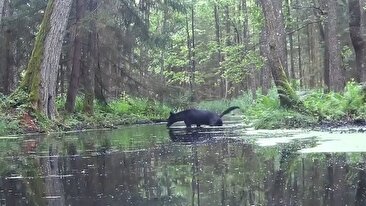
x: 150, y: 165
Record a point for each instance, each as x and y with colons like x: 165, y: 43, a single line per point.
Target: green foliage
x: 237, y: 63
x: 2, y: 101
x: 267, y: 113
x: 282, y: 118
x: 347, y: 57
x: 32, y: 78
x: 139, y: 107
x: 244, y: 102
x: 336, y: 106
x: 79, y: 101
x: 125, y: 110
x: 9, y: 125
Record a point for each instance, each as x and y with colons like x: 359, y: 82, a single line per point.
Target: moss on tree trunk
x: 38, y: 87
x: 32, y: 79
x: 28, y: 91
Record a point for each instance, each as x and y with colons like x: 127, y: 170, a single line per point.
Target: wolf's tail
x: 229, y: 110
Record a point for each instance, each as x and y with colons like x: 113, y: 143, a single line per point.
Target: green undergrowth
x: 262, y: 111
x: 125, y: 110
x: 8, y: 123
x: 350, y: 104
x: 244, y: 102
x: 265, y: 112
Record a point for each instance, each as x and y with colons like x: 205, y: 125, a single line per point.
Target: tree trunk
x: 323, y: 34
x: 193, y: 60
x: 62, y: 79
x: 76, y: 58
x: 281, y: 33
x: 10, y: 75
x: 90, y: 67
x: 41, y: 74
x: 301, y: 73
x: 218, y: 42
x: 245, y: 21
x: 100, y: 77
x: 336, y: 73
x: 266, y: 79
x: 190, y: 57
x: 357, y: 39
x: 228, y: 42
x: 2, y: 3
x: 7, y: 62
x: 291, y: 41
x: 277, y: 55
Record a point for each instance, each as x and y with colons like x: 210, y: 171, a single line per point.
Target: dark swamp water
x: 149, y: 165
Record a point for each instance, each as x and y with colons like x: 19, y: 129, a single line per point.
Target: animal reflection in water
x: 199, y: 134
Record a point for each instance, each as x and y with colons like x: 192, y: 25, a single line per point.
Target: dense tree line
x: 176, y: 51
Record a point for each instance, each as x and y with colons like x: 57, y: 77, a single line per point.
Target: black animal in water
x: 198, y: 117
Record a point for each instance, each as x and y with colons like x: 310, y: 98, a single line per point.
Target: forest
x: 76, y: 64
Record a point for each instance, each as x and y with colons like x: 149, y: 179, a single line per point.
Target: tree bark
x: 266, y: 79
x: 291, y: 41
x: 90, y: 67
x: 190, y: 54
x: 336, y: 73
x: 2, y: 3
x: 281, y: 33
x: 193, y: 60
x: 76, y: 59
x: 8, y: 71
x: 301, y: 73
x: 277, y: 54
x: 41, y: 74
x: 357, y: 39
x: 218, y: 42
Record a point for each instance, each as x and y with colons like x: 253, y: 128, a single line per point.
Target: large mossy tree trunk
x: 276, y: 55
x: 40, y: 78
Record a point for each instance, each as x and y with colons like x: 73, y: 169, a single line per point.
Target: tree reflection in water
x: 181, y: 167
